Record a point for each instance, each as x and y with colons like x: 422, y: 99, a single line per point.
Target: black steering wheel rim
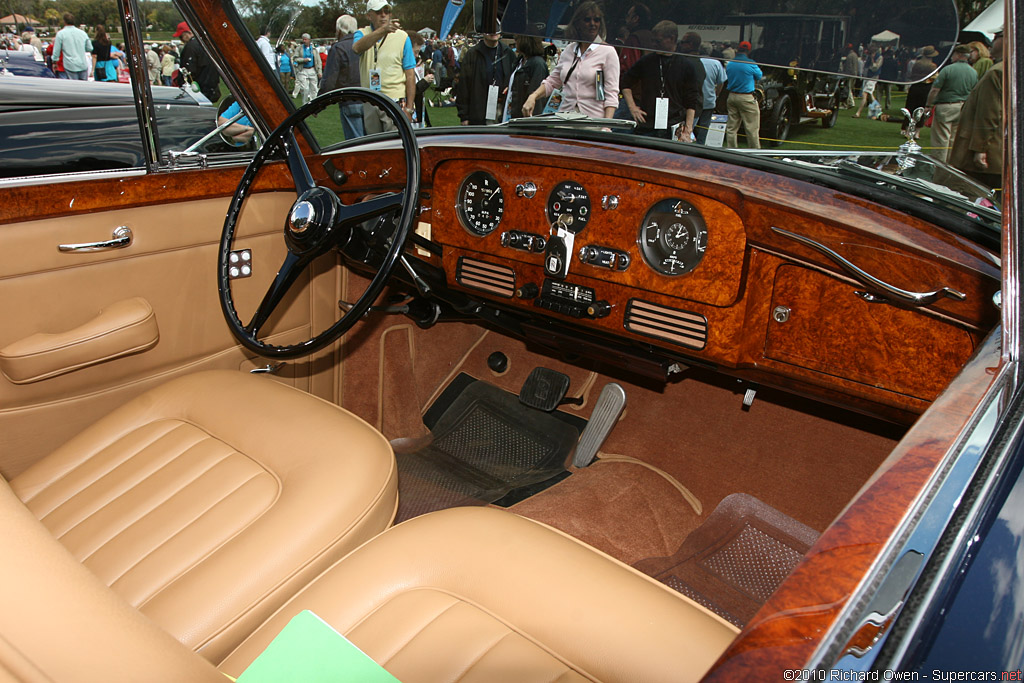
x: 305, y: 242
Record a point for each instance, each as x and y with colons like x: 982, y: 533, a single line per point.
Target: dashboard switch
x: 528, y: 291
x: 599, y: 309
x: 523, y: 241
x: 604, y: 257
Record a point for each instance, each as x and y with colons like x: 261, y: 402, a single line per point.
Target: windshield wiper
x: 926, y: 189
x: 570, y: 119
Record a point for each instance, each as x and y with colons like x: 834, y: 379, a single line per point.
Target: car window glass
x: 68, y: 104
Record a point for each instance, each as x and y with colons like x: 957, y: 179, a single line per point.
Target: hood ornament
x: 905, y: 159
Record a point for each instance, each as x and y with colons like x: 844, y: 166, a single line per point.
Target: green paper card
x: 309, y: 650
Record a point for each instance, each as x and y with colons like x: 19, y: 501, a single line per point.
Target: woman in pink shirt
x: 587, y: 73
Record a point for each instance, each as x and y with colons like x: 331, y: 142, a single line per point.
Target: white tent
x: 989, y: 21
x: 427, y: 32
x: 886, y: 38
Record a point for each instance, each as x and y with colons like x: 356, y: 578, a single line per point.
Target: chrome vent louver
x: 488, y: 277
x: 677, y: 326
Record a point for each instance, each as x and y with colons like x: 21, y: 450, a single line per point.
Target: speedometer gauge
x: 480, y: 203
x: 673, y: 237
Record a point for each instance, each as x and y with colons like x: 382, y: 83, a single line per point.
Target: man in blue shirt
x: 743, y: 75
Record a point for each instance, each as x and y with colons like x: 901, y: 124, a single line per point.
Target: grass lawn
x: 850, y: 133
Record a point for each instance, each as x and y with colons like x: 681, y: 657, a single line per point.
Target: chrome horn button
x: 302, y: 216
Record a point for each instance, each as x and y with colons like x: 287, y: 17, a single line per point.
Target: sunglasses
x: 591, y: 20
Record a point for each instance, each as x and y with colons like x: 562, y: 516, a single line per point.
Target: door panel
x: 171, y: 265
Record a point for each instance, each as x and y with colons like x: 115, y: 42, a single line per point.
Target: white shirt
x: 268, y: 51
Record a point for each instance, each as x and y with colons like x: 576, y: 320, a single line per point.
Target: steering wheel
x: 318, y: 222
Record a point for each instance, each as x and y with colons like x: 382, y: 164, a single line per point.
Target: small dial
x: 481, y: 203
x: 569, y: 206
x: 673, y: 237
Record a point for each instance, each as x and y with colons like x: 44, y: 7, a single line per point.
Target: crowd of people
x: 961, y: 103
x: 668, y: 85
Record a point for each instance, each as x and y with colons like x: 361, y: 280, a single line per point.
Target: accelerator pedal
x: 544, y: 389
x: 607, y: 410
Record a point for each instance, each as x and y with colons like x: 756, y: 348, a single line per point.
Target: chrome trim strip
x: 29, y: 181
x: 945, y: 485
x: 1013, y: 119
x: 131, y: 16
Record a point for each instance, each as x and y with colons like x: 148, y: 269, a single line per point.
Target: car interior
x: 495, y: 404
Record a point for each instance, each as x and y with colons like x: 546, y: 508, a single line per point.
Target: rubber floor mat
x: 736, y: 559
x: 484, y: 447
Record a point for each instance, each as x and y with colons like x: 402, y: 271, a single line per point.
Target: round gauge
x: 480, y: 203
x: 569, y: 206
x: 673, y: 237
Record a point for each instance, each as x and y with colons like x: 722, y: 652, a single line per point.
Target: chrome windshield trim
x: 1013, y: 119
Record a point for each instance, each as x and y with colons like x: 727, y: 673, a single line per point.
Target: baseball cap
x: 376, y: 5
x: 962, y: 49
x: 182, y: 28
x: 744, y: 46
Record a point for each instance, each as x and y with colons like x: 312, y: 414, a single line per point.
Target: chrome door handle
x: 121, y: 238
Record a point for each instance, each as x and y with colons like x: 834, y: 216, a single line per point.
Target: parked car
x: 16, y: 63
x: 643, y: 410
x: 61, y: 126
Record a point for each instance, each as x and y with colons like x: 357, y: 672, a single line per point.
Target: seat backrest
x: 58, y: 622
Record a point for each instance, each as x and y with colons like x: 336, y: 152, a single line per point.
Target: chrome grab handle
x: 892, y: 293
x: 121, y: 238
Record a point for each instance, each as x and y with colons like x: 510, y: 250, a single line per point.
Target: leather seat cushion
x: 209, y: 501
x: 479, y: 594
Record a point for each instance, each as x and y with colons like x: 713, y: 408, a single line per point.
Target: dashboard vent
x: 679, y: 327
x: 499, y: 280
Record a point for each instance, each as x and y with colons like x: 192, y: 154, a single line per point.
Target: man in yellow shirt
x: 386, y: 62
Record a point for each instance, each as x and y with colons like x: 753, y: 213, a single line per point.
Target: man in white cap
x: 387, y: 64
x: 308, y: 70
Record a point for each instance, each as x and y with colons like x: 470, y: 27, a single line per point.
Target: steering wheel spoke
x: 318, y: 222
x: 301, y: 176
x: 351, y: 214
x: 289, y: 272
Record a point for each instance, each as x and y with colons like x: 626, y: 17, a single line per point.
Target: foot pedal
x: 607, y: 410
x: 544, y: 389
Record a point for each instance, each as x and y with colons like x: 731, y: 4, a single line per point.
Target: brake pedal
x: 544, y: 389
x: 607, y: 410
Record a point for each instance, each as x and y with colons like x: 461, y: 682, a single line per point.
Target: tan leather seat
x: 478, y: 594
x: 208, y: 502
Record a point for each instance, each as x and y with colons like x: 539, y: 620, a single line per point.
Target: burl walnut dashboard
x: 723, y: 265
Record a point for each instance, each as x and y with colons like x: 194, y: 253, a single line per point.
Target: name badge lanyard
x: 375, y: 83
x: 492, y: 89
x: 661, y: 103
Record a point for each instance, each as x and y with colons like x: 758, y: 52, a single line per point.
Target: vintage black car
x: 50, y: 126
x: 536, y: 401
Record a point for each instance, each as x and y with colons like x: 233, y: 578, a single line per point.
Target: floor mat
x: 736, y: 559
x: 484, y: 447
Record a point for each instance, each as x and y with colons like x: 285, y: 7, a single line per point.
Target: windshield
x: 841, y: 88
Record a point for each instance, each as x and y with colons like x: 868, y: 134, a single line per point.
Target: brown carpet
x: 736, y: 559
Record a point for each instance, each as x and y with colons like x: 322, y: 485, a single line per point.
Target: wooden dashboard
x: 759, y: 303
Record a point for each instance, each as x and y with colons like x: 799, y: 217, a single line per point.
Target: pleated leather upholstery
x: 480, y: 594
x: 207, y: 502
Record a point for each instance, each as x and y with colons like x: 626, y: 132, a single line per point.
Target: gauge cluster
x: 672, y: 236
x: 622, y: 237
